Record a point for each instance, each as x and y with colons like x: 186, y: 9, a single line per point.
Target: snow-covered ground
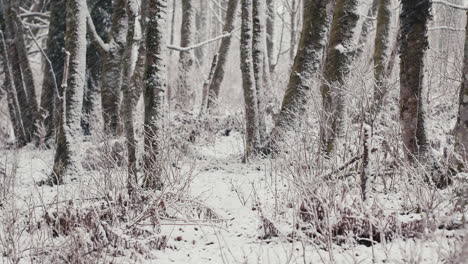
x: 238, y: 193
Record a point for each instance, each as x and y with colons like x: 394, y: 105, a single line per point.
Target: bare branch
x: 447, y: 28
x: 225, y: 35
x: 34, y: 14
x: 95, y: 38
x: 443, y: 2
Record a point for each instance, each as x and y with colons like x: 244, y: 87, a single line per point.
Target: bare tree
x: 258, y: 55
x: 340, y: 52
x: 381, y: 50
x: 270, y: 29
x: 306, y: 65
x: 185, y: 92
x: 248, y: 80
x: 413, y: 44
x: 53, y: 76
x: 461, y: 127
x: 66, y: 162
x: 155, y: 90
x: 215, y: 84
x: 112, y: 54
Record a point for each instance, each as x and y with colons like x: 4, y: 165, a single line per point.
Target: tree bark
x: 340, y: 52
x: 381, y: 49
x: 111, y: 79
x: 19, y: 64
x: 270, y: 29
x: 155, y: 91
x: 67, y: 162
x: 366, y: 27
x: 248, y: 80
x: 461, y: 127
x: 52, y: 77
x: 185, y: 93
x: 258, y: 55
x: 215, y: 84
x: 202, y: 26
x: 306, y: 65
x: 413, y: 44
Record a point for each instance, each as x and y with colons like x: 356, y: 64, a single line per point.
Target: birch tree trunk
x: 340, y: 52
x: 306, y: 65
x: 185, y: 93
x: 413, y: 44
x: 258, y: 55
x: 155, y: 90
x: 461, y: 127
x: 215, y: 84
x: 248, y: 80
x: 52, y: 77
x: 67, y: 162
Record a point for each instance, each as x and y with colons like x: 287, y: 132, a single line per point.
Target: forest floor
x: 240, y: 195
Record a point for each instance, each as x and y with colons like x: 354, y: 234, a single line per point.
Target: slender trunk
x: 340, y: 52
x: 248, y: 80
x: 461, y: 128
x: 381, y: 49
x: 52, y: 77
x: 155, y: 91
x: 215, y: 84
x: 67, y: 162
x: 201, y: 22
x: 306, y: 65
x: 185, y: 93
x: 270, y: 29
x: 293, y: 29
x: 258, y: 55
x: 413, y: 44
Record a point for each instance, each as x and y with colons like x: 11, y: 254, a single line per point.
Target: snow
x: 239, y: 193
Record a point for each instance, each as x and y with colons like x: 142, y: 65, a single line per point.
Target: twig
x: 225, y: 35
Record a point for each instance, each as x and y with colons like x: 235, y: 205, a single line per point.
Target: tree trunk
x: 340, y: 52
x: 413, y: 44
x: 101, y: 12
x: 215, y: 85
x: 258, y: 54
x: 67, y: 162
x: 270, y: 29
x: 306, y: 65
x: 461, y: 128
x: 202, y: 26
x: 112, y: 69
x: 293, y: 29
x: 19, y: 64
x: 381, y: 48
x: 366, y: 27
x: 248, y: 80
x: 185, y: 93
x: 52, y: 77
x: 155, y: 91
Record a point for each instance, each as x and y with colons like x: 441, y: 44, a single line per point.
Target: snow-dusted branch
x: 225, y: 35
x: 34, y: 14
x: 95, y: 38
x: 443, y: 2
x: 447, y: 28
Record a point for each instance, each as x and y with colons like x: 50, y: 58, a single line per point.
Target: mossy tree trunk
x: 248, y: 80
x: 258, y: 55
x: 340, y: 52
x: 306, y: 65
x: 155, y: 82
x: 413, y: 44
x: 215, y: 84
x: 185, y: 92
x: 67, y: 162
x: 52, y: 77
